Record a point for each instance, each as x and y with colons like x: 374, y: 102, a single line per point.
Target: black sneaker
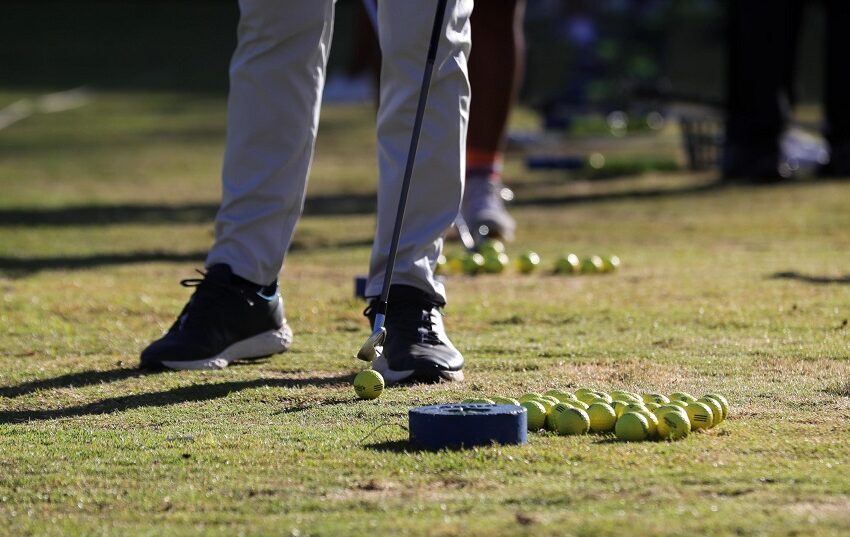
x: 226, y: 319
x: 417, y: 348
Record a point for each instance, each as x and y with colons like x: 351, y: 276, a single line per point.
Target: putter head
x: 374, y: 346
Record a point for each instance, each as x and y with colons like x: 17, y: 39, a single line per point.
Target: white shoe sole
x: 265, y: 344
x: 391, y: 376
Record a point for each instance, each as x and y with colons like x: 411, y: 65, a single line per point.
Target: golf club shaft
x: 411, y: 157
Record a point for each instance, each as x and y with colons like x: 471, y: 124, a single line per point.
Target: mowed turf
x: 743, y: 291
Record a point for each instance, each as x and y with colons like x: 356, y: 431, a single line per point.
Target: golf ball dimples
x: 700, y: 415
x: 602, y: 417
x: 673, y: 425
x: 368, y: 384
x: 536, y: 415
x: 631, y: 427
x: 573, y: 421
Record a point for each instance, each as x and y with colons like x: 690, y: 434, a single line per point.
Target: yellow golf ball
x: 368, y: 384
x: 716, y: 409
x: 651, y: 422
x: 603, y: 395
x: 536, y: 415
x: 631, y: 427
x: 682, y: 396
x: 573, y: 421
x: 602, y: 417
x: 658, y: 398
x: 547, y: 404
x: 527, y: 262
x: 620, y: 407
x: 700, y: 415
x: 663, y: 409
x: 586, y: 396
x: 561, y: 395
x: 673, y: 425
x: 724, y: 403
x: 473, y: 264
x: 552, y: 416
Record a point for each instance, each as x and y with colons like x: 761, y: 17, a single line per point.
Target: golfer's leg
x: 762, y: 38
x: 437, y: 186
x: 837, y: 86
x: 276, y: 77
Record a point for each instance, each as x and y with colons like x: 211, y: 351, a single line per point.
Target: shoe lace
x: 422, y: 315
x: 426, y: 331
x: 207, y: 296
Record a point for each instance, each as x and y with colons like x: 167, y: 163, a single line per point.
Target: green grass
x: 744, y: 291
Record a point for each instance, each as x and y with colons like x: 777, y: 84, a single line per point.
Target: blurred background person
x: 763, y: 39
x: 495, y: 72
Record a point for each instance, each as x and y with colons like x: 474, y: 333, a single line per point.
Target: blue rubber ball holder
x: 458, y: 426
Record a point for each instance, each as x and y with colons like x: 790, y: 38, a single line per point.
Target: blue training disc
x: 457, y: 426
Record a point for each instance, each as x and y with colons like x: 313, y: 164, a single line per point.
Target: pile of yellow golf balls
x: 491, y: 258
x: 628, y: 415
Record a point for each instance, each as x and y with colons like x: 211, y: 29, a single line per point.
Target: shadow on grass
x: 191, y: 213
x: 630, y: 194
x: 302, y: 407
x: 394, y: 446
x: 809, y: 278
x: 186, y: 394
x: 74, y: 380
x: 17, y: 267
x: 14, y: 266
x: 319, y: 205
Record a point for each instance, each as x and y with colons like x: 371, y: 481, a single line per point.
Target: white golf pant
x: 276, y: 78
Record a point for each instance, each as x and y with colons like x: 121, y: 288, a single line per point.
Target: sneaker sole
x: 391, y: 376
x: 259, y: 346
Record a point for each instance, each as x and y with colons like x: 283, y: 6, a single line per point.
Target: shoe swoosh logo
x: 267, y: 298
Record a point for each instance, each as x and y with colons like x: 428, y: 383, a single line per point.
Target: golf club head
x: 374, y: 346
